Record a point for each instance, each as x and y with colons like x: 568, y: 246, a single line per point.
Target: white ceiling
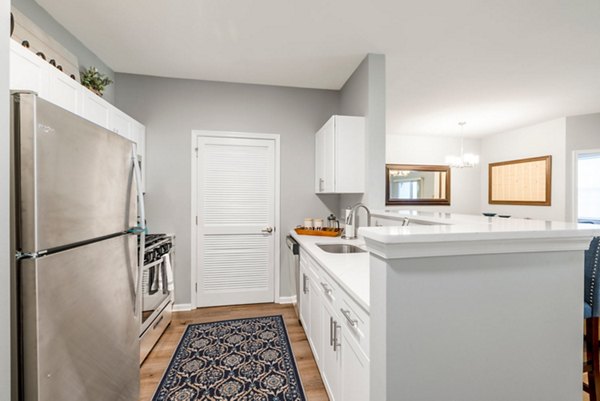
x: 497, y: 64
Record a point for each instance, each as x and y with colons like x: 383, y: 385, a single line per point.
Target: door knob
x: 268, y: 230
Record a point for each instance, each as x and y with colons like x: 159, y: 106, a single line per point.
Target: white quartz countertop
x: 350, y: 271
x: 436, y: 227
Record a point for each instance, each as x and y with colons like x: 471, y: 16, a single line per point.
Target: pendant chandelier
x: 465, y: 160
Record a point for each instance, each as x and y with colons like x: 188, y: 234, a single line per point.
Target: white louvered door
x: 236, y: 217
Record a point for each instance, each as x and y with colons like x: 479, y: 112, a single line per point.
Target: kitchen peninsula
x: 464, y: 308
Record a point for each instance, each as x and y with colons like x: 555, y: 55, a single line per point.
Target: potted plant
x: 95, y: 81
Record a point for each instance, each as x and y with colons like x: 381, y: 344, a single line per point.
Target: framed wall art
x: 521, y: 182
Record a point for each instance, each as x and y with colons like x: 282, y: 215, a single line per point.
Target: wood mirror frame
x: 445, y: 200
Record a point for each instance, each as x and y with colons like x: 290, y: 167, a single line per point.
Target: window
x: 588, y: 188
x: 406, y: 189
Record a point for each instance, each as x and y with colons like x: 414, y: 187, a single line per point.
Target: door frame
x: 575, y: 181
x: 193, y: 223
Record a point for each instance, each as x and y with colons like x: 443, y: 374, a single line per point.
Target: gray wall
x: 364, y: 95
x: 5, y: 276
x: 583, y: 133
x: 86, y: 57
x: 172, y: 108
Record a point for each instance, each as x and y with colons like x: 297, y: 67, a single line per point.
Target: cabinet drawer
x: 355, y: 321
x: 153, y: 333
x: 328, y: 288
x: 311, y: 265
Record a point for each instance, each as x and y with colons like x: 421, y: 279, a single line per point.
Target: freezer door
x: 74, y: 179
x: 80, y: 335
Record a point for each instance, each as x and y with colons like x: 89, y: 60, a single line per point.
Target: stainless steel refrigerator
x: 76, y: 202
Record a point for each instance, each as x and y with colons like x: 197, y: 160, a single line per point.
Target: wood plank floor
x: 158, y: 360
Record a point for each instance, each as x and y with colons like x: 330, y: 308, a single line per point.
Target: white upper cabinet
x: 95, y: 109
x: 63, y: 90
x: 29, y: 72
x: 340, y: 156
x: 120, y: 123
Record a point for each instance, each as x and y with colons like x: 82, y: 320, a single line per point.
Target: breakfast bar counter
x: 477, y: 308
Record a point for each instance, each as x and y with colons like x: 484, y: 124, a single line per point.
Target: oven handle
x: 152, y: 264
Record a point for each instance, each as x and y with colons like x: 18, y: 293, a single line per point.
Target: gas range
x: 157, y: 245
x: 157, y: 289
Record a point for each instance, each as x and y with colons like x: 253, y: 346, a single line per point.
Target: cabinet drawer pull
x: 326, y: 288
x: 346, y: 313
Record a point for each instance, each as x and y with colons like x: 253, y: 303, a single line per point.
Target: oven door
x: 156, y: 292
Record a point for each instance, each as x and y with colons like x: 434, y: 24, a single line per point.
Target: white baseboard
x: 287, y: 300
x: 182, y: 307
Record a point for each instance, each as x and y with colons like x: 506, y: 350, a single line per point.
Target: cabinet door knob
x: 267, y: 230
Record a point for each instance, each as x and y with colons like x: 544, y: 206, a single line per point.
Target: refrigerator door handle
x: 141, y: 228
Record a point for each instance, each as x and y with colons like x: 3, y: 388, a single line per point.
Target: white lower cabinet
x: 331, y: 368
x: 354, y: 384
x: 304, y: 299
x: 316, y: 325
x: 337, y: 330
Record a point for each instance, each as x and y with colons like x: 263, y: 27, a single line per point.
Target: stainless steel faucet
x: 351, y: 219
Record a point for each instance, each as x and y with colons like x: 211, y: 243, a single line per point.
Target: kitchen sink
x: 341, y: 248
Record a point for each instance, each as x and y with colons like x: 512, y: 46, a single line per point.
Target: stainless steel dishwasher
x: 293, y: 257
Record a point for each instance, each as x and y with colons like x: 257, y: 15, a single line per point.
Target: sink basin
x: 340, y: 248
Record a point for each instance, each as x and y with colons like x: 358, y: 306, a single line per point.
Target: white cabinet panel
x: 63, y: 90
x: 304, y: 299
x: 355, y: 372
x: 356, y: 322
x: 95, y: 109
x: 331, y: 356
x: 350, y: 154
x: 316, y: 332
x: 26, y: 71
x: 324, y: 158
x: 120, y: 123
x: 340, y: 156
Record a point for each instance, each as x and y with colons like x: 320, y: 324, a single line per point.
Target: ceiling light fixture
x: 465, y: 160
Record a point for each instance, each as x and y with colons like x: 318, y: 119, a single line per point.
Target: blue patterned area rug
x: 233, y: 360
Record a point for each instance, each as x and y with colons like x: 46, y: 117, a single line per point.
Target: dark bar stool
x: 591, y: 299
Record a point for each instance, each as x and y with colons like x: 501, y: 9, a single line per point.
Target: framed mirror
x: 408, y: 184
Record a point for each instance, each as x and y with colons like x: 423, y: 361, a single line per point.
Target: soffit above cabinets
x: 497, y: 64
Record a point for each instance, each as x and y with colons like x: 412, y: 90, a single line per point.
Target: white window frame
x: 575, y: 181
